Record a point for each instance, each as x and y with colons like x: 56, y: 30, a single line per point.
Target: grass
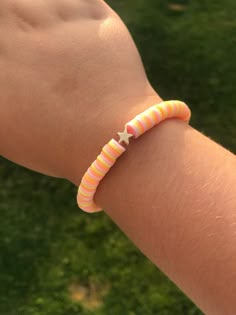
x: 57, y: 260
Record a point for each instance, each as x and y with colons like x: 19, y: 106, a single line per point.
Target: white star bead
x: 124, y: 136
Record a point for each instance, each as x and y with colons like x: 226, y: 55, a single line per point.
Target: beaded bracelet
x: 113, y: 149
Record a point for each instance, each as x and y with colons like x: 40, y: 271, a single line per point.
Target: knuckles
x: 35, y: 14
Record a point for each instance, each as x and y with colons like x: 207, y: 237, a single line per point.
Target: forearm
x: 174, y: 194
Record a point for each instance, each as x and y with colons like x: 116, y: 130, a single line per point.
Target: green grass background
x: 57, y: 260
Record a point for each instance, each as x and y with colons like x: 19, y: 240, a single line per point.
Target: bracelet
x: 113, y: 149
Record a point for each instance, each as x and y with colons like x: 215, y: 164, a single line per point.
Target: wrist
x: 104, y: 126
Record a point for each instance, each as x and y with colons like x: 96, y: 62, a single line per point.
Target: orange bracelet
x: 113, y: 149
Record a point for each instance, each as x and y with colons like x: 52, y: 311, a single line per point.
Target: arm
x: 174, y: 194
x: 69, y: 74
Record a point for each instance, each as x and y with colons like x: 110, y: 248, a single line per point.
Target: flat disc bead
x: 112, y: 150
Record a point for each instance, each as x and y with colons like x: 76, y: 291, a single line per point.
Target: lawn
x: 57, y: 260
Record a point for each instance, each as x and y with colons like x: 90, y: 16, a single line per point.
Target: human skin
x: 70, y: 78
x: 62, y: 64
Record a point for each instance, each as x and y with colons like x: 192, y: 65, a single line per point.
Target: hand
x: 70, y: 75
